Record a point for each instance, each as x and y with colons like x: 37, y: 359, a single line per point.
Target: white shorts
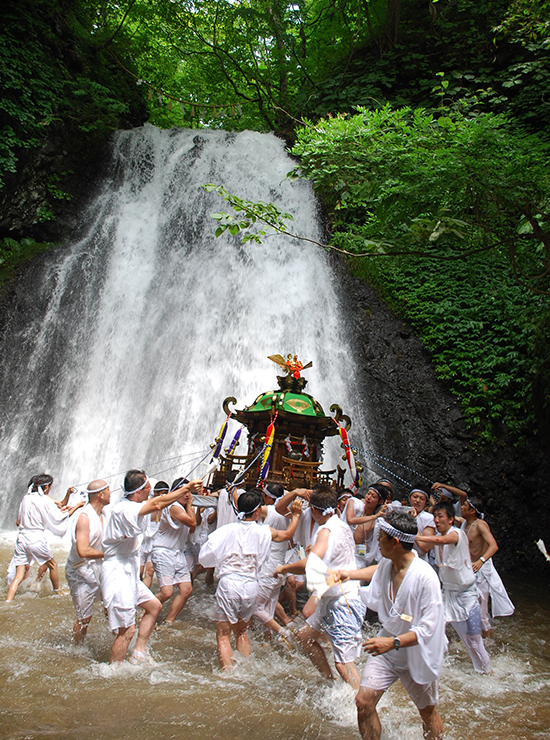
x: 145, y: 550
x: 83, y: 593
x: 342, y: 621
x: 268, y: 596
x: 235, y: 598
x: 29, y: 549
x: 170, y: 566
x: 380, y: 672
x: 123, y: 591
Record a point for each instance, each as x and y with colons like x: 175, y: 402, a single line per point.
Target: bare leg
x: 349, y: 673
x: 80, y: 629
x: 281, y: 614
x: 243, y: 643
x: 289, y: 593
x: 41, y: 570
x: 432, y: 723
x: 147, y: 574
x: 367, y: 716
x: 165, y: 593
x: 122, y: 643
x: 308, y: 639
x: 54, y: 575
x: 19, y: 575
x: 147, y: 624
x: 185, y: 591
x: 309, y: 606
x: 223, y: 638
x: 209, y: 576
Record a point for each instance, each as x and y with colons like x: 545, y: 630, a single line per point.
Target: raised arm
x: 283, y: 535
x: 157, y: 503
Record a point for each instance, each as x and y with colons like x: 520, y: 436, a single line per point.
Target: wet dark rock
x: 415, y: 420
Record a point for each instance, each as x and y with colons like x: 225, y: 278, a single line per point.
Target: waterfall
x: 126, y: 340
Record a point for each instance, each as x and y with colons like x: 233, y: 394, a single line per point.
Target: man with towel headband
x: 83, y: 567
x: 410, y: 646
x: 122, y: 588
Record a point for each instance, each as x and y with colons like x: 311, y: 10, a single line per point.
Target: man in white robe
x: 83, y: 567
x: 410, y: 646
x: 168, y: 554
x: 460, y: 598
x: 122, y: 588
x: 269, y: 585
x: 38, y: 512
x: 339, y: 613
x: 238, y: 551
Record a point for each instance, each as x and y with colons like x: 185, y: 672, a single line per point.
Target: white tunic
x: 423, y: 520
x: 457, y: 576
x: 87, y: 569
x: 418, y: 607
x: 226, y: 512
x: 121, y: 585
x: 171, y: 533
x: 37, y: 513
x: 339, y: 555
x: 240, y: 548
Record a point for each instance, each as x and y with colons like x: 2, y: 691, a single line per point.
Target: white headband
x: 98, y: 490
x: 243, y: 514
x: 328, y: 510
x: 393, y: 532
x: 131, y: 493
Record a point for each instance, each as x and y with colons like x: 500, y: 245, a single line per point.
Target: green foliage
x: 456, y: 212
x: 249, y: 214
x: 54, y: 77
x: 15, y: 253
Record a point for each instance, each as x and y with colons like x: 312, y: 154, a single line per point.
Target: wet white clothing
x: 226, y: 513
x: 358, y: 509
x: 37, y: 512
x: 368, y: 552
x: 423, y: 520
x: 340, y: 612
x: 417, y: 606
x: 457, y: 577
x: 122, y: 588
x: 84, y: 574
x: 238, y: 551
x: 269, y: 585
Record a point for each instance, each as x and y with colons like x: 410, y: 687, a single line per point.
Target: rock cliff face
x: 416, y: 421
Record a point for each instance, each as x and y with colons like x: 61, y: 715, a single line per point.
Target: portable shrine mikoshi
x: 288, y: 425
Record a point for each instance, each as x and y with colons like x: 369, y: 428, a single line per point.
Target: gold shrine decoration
x: 224, y: 110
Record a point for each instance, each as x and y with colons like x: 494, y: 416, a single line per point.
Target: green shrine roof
x: 294, y: 403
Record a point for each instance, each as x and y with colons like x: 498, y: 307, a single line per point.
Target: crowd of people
x: 411, y: 565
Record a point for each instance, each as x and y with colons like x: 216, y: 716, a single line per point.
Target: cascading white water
x: 139, y: 329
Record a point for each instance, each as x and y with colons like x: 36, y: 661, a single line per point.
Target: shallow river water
x: 50, y: 689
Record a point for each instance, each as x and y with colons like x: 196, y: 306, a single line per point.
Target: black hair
x: 445, y: 506
x: 249, y: 501
x: 178, y: 483
x: 133, y: 480
x: 275, y: 490
x: 381, y: 490
x: 384, y: 482
x: 161, y: 485
x: 42, y: 479
x: 324, y: 497
x: 404, y: 522
x: 230, y: 477
x: 477, y: 504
